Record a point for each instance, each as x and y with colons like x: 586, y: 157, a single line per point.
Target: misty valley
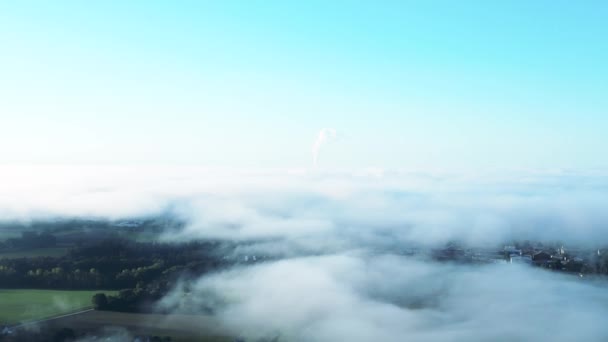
x: 303, y: 171
x: 77, y: 279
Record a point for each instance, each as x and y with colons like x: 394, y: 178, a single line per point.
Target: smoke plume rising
x: 325, y: 135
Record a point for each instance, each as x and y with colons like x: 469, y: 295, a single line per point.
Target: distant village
x: 555, y: 257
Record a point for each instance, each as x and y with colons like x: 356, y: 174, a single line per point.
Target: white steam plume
x: 325, y: 135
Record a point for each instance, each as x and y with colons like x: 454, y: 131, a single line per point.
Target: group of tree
x: 112, y: 264
x: 139, y: 299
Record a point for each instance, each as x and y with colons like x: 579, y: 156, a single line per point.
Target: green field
x: 23, y: 305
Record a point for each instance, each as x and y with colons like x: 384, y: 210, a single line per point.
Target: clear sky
x: 251, y: 83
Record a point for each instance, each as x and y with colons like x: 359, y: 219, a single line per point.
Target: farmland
x: 24, y: 305
x: 49, y: 274
x: 179, y: 327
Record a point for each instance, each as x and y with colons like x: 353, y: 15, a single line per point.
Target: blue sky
x: 512, y: 84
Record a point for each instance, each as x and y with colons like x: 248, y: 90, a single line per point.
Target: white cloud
x: 344, y: 206
x: 353, y: 292
x: 362, y: 297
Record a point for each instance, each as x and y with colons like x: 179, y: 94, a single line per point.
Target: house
x: 541, y: 257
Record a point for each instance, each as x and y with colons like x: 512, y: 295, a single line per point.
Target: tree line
x: 112, y: 264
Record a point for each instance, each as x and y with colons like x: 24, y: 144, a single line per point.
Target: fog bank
x: 337, y: 206
x: 362, y: 297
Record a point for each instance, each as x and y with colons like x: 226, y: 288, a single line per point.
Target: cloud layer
x: 354, y: 207
x: 365, y: 297
x: 334, y: 277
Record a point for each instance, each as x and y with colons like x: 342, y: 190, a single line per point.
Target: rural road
x: 26, y: 324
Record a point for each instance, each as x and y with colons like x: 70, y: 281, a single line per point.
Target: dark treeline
x: 112, y: 264
x: 80, y: 232
x: 30, y: 239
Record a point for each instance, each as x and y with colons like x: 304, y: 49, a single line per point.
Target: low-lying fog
x: 358, y: 297
x: 337, y: 280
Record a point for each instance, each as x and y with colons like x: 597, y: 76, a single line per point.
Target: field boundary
x: 51, y: 318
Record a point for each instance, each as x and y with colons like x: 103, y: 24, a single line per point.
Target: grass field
x: 23, y: 305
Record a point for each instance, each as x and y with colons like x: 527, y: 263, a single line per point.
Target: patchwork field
x: 181, y: 328
x: 24, y: 305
